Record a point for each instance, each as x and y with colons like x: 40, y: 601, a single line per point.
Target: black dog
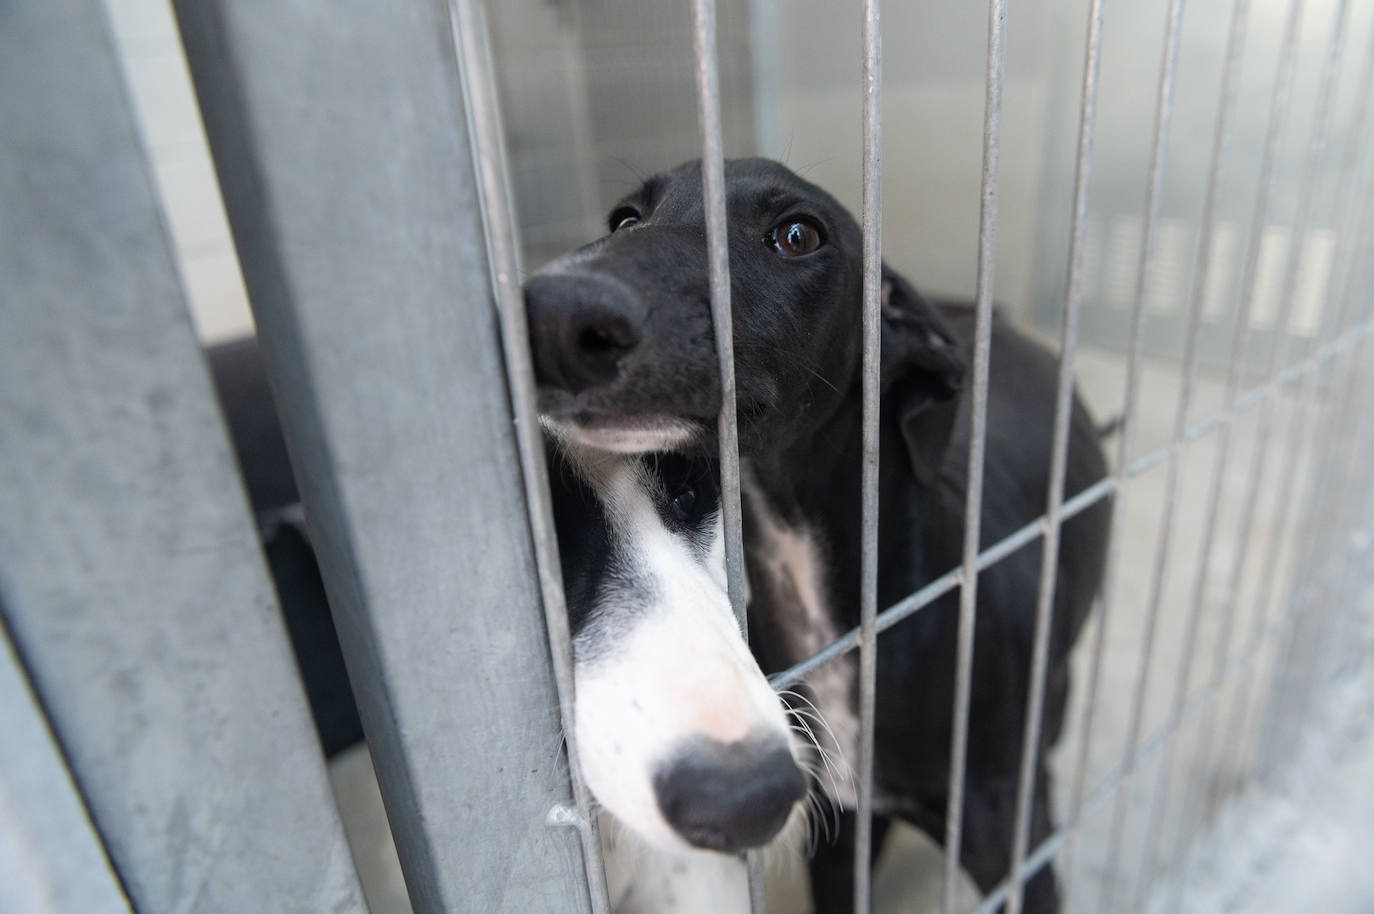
x: 624, y: 349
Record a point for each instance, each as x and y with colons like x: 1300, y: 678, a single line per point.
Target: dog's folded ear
x: 922, y: 374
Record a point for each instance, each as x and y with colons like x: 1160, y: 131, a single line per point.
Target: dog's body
x: 622, y: 339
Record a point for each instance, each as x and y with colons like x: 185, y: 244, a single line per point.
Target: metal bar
x: 1356, y: 476
x: 1030, y: 744
x: 1348, y: 223
x: 973, y: 505
x: 1273, y: 699
x: 133, y: 581
x: 1137, y: 712
x: 1004, y: 547
x: 718, y: 256
x: 1277, y: 357
x: 1297, y: 436
x: 1245, y: 663
x: 1339, y: 469
x: 1133, y: 371
x: 51, y: 856
x: 1240, y: 336
x: 1053, y: 845
x: 872, y: 85
x: 487, y: 136
x: 433, y: 585
x: 1202, y: 277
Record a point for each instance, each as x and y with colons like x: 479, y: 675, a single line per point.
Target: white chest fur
x: 788, y: 571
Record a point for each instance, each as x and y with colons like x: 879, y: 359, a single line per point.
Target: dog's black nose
x: 729, y: 796
x: 581, y: 328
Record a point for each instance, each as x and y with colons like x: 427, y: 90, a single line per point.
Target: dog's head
x: 621, y: 328
x: 681, y: 737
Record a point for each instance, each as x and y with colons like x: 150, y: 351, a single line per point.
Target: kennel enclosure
x: 162, y: 757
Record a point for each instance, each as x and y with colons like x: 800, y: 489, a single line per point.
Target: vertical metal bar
x: 1298, y: 438
x: 1202, y: 277
x: 133, y: 581
x: 1338, y: 466
x: 1049, y: 564
x: 1298, y: 441
x: 366, y: 265
x: 1137, y: 712
x: 1135, y: 364
x: 973, y: 505
x: 50, y: 855
x: 718, y: 256
x: 1277, y: 358
x: 872, y: 86
x: 487, y: 136
x: 1350, y: 227
x: 1287, y: 691
x: 1239, y: 338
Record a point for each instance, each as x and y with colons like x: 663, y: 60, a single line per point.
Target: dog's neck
x: 817, y: 461
x: 815, y: 482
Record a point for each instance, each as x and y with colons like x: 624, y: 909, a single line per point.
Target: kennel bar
x: 1279, y: 707
x: 718, y: 255
x: 1068, y: 343
x: 872, y: 91
x: 1308, y: 401
x: 1112, y: 782
x: 1238, y: 354
x: 973, y: 503
x: 1296, y: 433
x: 707, y: 73
x: 1279, y: 106
x: 45, y: 826
x: 1222, y: 420
x: 341, y: 143
x: 133, y: 584
x: 1264, y: 445
x: 1135, y: 365
x: 472, y: 44
x: 1203, y: 268
x: 1339, y: 460
x: 1288, y: 283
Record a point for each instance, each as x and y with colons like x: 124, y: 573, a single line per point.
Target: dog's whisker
x: 821, y: 752
x: 836, y: 764
x: 809, y: 708
x: 833, y: 751
x: 819, y: 719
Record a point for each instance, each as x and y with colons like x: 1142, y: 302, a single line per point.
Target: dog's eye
x: 683, y: 503
x: 624, y: 217
x: 795, y: 238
